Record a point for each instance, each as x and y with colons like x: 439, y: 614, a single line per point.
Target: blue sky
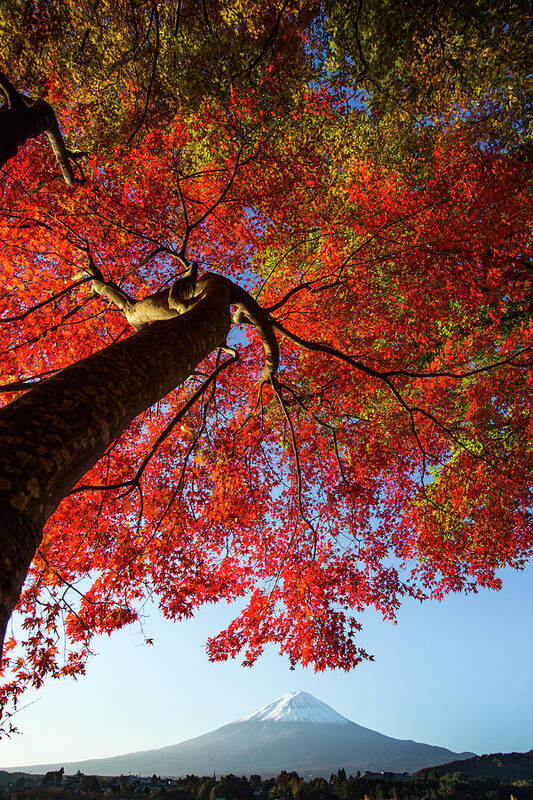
x: 457, y: 673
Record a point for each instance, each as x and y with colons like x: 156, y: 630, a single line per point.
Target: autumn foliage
x: 389, y: 456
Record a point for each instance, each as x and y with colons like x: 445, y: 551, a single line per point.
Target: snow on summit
x: 297, y: 707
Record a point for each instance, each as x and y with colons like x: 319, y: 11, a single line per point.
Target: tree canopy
x: 359, y: 429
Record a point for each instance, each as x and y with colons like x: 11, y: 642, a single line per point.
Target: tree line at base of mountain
x: 501, y: 766
x: 286, y: 786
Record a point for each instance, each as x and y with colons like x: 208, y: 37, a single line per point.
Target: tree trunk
x: 52, y: 435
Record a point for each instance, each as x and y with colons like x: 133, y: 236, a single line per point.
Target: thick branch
x: 183, y: 295
x: 22, y: 119
x: 248, y: 310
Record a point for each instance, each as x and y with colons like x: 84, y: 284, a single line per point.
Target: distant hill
x: 7, y: 778
x: 498, y: 766
x: 295, y: 732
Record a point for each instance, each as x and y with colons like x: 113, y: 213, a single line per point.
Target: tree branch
x: 22, y: 119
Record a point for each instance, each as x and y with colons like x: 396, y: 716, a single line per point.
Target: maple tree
x: 326, y: 402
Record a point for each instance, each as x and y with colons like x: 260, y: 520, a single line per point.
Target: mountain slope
x: 295, y: 732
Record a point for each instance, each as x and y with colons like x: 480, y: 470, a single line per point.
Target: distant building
x: 389, y: 776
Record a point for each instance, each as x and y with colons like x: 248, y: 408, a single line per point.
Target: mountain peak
x: 297, y: 707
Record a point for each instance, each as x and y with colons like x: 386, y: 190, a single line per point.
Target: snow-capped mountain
x: 294, y: 732
x: 297, y: 707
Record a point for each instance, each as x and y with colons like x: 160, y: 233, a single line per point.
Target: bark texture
x: 51, y: 436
